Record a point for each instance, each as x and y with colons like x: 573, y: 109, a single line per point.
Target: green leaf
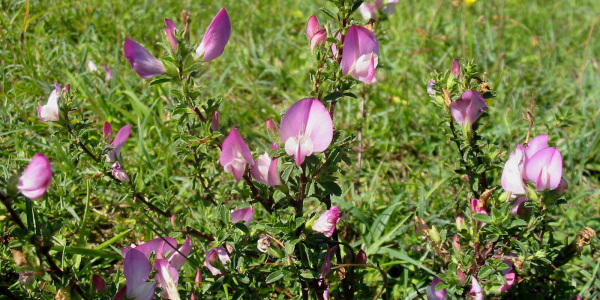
x: 112, y: 240
x: 275, y: 276
x: 482, y: 218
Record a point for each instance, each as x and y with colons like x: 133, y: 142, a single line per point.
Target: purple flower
x: 50, y: 111
x: 215, y: 258
x: 367, y: 10
x: 120, y: 139
x: 170, y: 30
x: 215, y: 38
x: 136, y: 268
x: 109, y: 74
x: 235, y: 155
x: 36, y: 178
x: 433, y: 294
x: 316, y: 34
x: 141, y: 60
x: 242, y: 214
x: 265, y: 169
x: 467, y: 109
x: 306, y: 128
x: 430, y: 89
x: 119, y: 173
x: 361, y: 54
x: 476, y: 207
x: 327, y: 222
x: 214, y: 123
x: 165, y: 248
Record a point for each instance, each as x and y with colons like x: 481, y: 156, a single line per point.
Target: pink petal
x: 119, y: 173
x: 364, y: 68
x: 307, y: 119
x: 518, y: 202
x: 215, y: 38
x: 242, y: 214
x: 141, y: 60
x: 455, y: 71
x: 36, y: 178
x: 326, y: 268
x: 327, y: 221
x: 512, y: 174
x: 476, y: 288
x: 468, y: 108
x: 211, y: 258
x: 136, y: 267
x: 545, y: 169
x: 536, y: 144
x: 118, y: 143
x: 50, y: 111
x: 312, y: 26
x: 170, y: 30
x: 433, y: 294
x: 319, y: 38
x: 358, y: 42
x: 167, y: 277
x: 179, y: 257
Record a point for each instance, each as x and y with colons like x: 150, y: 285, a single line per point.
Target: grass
x: 531, y: 50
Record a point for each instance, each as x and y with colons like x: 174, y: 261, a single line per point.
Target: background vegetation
x: 545, y: 51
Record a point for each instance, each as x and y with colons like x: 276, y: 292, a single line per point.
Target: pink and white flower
x: 360, y: 54
x: 306, y: 128
x: 235, y: 155
x: 215, y: 38
x: 327, y: 222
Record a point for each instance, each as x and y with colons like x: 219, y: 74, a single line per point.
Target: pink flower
x: 141, y: 60
x: 537, y: 163
x: 36, y: 178
x: 98, y: 284
x: 119, y: 173
x: 361, y: 54
x: 170, y: 30
x: 517, y: 206
x: 468, y: 108
x: 271, y: 126
x: 509, y: 274
x: 433, y: 294
x: 265, y: 169
x: 512, y: 174
x: 109, y: 74
x: 214, y: 258
x: 136, y: 268
x: 476, y: 207
x: 215, y: 38
x: 461, y: 276
x: 242, y: 214
x: 456, y: 242
x: 50, y: 111
x: 327, y: 222
x: 476, y: 289
x: 544, y: 169
x: 316, y: 34
x: 165, y: 248
x: 306, y: 128
x: 120, y: 139
x: 235, y: 155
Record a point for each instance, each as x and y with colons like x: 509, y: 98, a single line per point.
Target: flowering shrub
x: 214, y: 208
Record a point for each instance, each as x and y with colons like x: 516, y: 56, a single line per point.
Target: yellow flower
x: 470, y: 2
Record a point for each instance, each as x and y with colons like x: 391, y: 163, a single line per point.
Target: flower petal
x: 242, y: 214
x: 512, y: 174
x: 170, y: 30
x: 141, y: 60
x: 215, y: 38
x: 136, y: 268
x: 118, y: 143
x: 545, y: 169
x: 36, y: 178
x: 179, y: 257
x: 312, y: 26
x: 536, y: 144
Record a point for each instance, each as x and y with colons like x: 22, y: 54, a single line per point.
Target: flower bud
x: 460, y: 222
x: 119, y: 173
x: 214, y: 124
x: 455, y: 71
x: 98, y: 283
x: 263, y: 244
x: 327, y: 222
x: 430, y: 89
x: 361, y: 257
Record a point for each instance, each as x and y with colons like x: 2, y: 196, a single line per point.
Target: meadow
x: 540, y: 59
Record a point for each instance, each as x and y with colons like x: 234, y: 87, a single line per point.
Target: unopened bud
x: 98, y: 283
x: 460, y: 222
x: 271, y: 126
x: 456, y: 242
x: 461, y: 276
x: 455, y: 71
x: 67, y: 88
x: 263, y: 244
x: 447, y: 99
x: 214, y: 124
x: 361, y: 257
